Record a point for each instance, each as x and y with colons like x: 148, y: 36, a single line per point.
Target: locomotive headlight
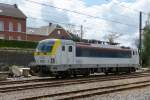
x: 38, y: 53
x: 45, y: 53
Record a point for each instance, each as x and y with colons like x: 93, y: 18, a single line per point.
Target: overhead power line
x: 47, y: 14
x: 136, y: 10
x: 50, y: 18
x: 55, y: 22
x: 95, y: 17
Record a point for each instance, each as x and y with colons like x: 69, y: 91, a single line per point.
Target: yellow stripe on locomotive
x: 51, y: 52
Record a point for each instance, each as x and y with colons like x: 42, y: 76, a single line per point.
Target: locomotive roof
x: 47, y: 40
x: 89, y: 45
x: 53, y: 40
x: 101, y: 47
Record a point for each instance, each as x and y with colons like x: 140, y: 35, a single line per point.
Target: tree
x: 146, y: 45
x: 111, y: 37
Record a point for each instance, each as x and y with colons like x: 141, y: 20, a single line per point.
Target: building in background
x: 12, y: 22
x: 13, y: 27
x: 51, y: 31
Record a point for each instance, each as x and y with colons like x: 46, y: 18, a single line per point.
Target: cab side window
x: 70, y: 49
x: 133, y: 53
x: 63, y: 48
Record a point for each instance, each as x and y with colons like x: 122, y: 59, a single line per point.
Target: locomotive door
x: 64, y: 55
x: 70, y: 54
x: 67, y: 54
x: 135, y: 57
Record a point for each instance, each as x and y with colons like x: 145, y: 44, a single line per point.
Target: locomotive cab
x: 46, y: 52
x: 53, y: 55
x: 54, y: 52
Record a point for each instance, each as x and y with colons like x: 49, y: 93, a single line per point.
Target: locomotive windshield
x: 45, y: 47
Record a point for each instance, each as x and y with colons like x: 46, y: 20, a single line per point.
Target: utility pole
x: 81, y: 32
x: 140, y: 38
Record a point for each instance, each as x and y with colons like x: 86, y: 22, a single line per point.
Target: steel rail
x: 92, y: 91
x: 69, y: 82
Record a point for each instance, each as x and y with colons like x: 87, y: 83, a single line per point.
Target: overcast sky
x: 109, y: 13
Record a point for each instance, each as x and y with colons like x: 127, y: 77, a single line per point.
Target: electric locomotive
x: 61, y: 58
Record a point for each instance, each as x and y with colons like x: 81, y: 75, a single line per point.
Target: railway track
x: 24, y: 81
x: 58, y: 83
x: 53, y: 79
x: 92, y: 91
x: 45, y: 79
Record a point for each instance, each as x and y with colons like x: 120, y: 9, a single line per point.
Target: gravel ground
x: 136, y: 94
x: 115, y: 96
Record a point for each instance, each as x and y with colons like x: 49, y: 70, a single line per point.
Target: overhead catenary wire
x: 113, y: 15
x: 53, y: 17
x: 95, y: 17
x: 136, y: 10
x: 73, y: 12
x: 56, y: 22
x: 103, y: 30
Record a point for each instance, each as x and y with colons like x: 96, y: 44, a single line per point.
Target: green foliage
x: 146, y: 45
x: 17, y: 44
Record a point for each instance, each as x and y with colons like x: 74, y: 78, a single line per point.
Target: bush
x: 18, y: 44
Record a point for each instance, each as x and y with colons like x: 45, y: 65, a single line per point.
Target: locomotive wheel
x: 129, y: 70
x: 133, y: 70
x: 57, y: 76
x: 34, y: 70
x: 86, y: 74
x: 117, y: 71
x: 74, y: 75
x: 106, y: 73
x: 65, y: 75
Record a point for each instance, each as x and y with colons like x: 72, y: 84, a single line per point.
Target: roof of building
x: 11, y: 10
x: 43, y: 30
x: 48, y: 31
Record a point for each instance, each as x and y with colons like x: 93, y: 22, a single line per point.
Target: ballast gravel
x: 138, y: 94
